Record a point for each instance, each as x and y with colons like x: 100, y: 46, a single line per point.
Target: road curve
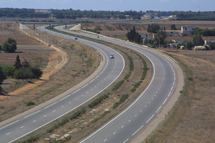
x: 124, y: 126
x: 40, y: 118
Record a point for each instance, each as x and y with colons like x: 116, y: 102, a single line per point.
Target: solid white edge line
x: 126, y: 140
x: 165, y: 101
x: 158, y: 109
x: 138, y: 130
x: 150, y: 119
x: 9, y: 124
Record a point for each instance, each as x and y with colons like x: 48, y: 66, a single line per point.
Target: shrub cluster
x: 77, y: 114
x: 122, y: 99
x: 30, y: 103
x: 136, y: 86
x: 31, y: 139
x: 63, y: 122
x: 127, y: 75
x: 97, y: 101
x: 91, y: 30
x: 22, y: 71
x: 118, y: 85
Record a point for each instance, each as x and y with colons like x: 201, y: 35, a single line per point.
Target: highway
x: 42, y: 117
x: 124, y: 126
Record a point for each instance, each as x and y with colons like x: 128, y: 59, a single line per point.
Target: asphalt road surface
x: 123, y: 127
x: 40, y: 118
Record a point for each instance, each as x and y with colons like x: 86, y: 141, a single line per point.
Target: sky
x: 113, y: 5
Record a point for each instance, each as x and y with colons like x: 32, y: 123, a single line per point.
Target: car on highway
x: 76, y: 38
x: 111, y: 56
x: 97, y: 36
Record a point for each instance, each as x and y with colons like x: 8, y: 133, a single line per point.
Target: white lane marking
x: 152, y: 98
x: 87, y: 92
x: 7, y: 134
x: 85, y: 85
x: 70, y: 102
x: 50, y: 105
x: 150, y: 118
x: 126, y: 140
x: 64, y: 98
x: 122, y: 127
x: 34, y: 121
x: 54, y: 111
x: 135, y: 115
x: 21, y: 127
x: 95, y: 86
x: 9, y: 124
x: 129, y: 121
x: 92, y: 80
x: 137, y: 130
x: 149, y: 102
x: 82, y: 95
x: 158, y: 109
x: 76, y: 91
x: 32, y: 114
x: 91, y: 89
x: 62, y: 106
x: 155, y: 95
x: 105, y: 140
x: 114, y: 133
x: 141, y: 110
x: 145, y: 106
x: 165, y: 101
x: 76, y: 98
x: 44, y: 116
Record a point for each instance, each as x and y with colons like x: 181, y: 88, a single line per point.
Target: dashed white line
x: 149, y: 102
x: 141, y: 110
x: 129, y: 121
x: 145, y: 106
x: 105, y: 140
x: 54, y: 111
x: 114, y: 133
x: 34, y: 121
x: 70, y: 102
x: 62, y: 106
x: 91, y: 89
x: 122, y: 127
x: 82, y: 95
x: 87, y: 92
x: 7, y: 134
x: 76, y: 98
x: 44, y: 116
x: 21, y: 127
x: 135, y: 115
x: 152, y: 98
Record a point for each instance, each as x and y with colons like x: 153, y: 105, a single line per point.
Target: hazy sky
x: 113, y: 5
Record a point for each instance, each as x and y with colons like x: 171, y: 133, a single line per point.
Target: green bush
x: 37, y: 73
x: 63, y: 122
x: 23, y: 73
x: 127, y: 75
x: 8, y: 70
x: 77, y: 114
x: 98, y: 100
x: 118, y: 85
x: 122, y: 99
x: 30, y: 103
x: 30, y: 140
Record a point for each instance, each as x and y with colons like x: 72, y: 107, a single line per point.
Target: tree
x: 9, y: 45
x: 160, y: 37
x: 17, y: 64
x: 153, y: 28
x: 2, y: 78
x: 173, y: 27
x: 37, y: 73
x: 134, y: 36
x: 197, y: 40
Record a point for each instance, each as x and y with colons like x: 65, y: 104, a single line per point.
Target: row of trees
x: 204, y: 32
x: 134, y: 36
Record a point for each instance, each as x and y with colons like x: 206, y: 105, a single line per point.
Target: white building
x: 187, y: 30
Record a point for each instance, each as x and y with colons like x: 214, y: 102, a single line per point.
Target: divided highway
x: 123, y: 127
x: 40, y: 118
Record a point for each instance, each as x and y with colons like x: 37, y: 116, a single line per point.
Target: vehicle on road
x: 76, y: 38
x: 111, y: 56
